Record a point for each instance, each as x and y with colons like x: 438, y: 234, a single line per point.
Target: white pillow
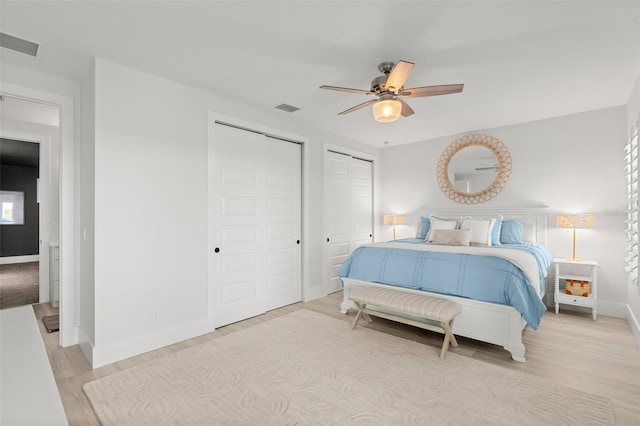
x: 529, y: 233
x: 441, y: 223
x: 480, y: 230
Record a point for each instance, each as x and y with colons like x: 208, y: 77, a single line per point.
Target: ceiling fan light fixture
x: 387, y: 110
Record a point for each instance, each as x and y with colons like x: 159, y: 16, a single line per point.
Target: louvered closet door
x: 348, y: 211
x: 254, y: 263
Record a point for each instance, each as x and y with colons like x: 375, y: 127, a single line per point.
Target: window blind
x: 631, y: 168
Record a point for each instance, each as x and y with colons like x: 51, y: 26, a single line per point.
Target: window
x: 12, y: 203
x: 631, y: 159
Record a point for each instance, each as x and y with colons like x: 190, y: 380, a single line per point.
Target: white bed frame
x: 484, y: 321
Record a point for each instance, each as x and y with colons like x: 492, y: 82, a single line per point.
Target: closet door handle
x: 217, y: 249
x: 298, y: 242
x: 327, y: 240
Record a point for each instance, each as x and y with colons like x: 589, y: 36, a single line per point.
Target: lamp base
x: 573, y: 259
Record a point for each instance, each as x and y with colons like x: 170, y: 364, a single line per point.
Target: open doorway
x: 29, y: 162
x: 19, y: 223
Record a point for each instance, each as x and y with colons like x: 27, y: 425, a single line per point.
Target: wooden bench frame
x: 444, y: 328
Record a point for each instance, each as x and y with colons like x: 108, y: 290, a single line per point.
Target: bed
x: 499, y: 286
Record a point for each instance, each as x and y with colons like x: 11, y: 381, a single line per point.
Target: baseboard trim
x: 606, y: 308
x: 635, y: 326
x: 7, y: 260
x: 99, y: 356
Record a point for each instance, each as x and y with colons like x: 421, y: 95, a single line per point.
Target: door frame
x: 68, y: 226
x: 212, y: 118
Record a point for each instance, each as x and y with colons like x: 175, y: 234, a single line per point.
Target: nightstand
x: 586, y: 271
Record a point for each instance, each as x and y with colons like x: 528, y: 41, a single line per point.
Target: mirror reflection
x: 473, y: 169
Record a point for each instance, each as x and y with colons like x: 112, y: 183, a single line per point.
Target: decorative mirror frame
x: 504, y: 168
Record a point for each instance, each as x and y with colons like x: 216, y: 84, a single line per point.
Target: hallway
x: 19, y: 284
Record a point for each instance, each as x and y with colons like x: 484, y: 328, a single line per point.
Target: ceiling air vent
x: 287, y: 108
x: 19, y: 45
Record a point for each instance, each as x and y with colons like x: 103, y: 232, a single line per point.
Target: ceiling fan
x: 388, y: 90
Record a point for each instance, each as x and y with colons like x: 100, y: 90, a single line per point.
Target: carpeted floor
x: 308, y: 368
x: 19, y: 284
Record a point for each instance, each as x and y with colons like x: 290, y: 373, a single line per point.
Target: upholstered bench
x: 408, y: 308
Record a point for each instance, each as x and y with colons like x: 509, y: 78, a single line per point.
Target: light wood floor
x: 570, y: 349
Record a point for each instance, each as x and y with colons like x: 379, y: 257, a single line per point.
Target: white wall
x: 573, y: 163
x: 150, y: 191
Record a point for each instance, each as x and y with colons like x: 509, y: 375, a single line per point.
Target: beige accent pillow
x: 451, y: 237
x: 441, y: 223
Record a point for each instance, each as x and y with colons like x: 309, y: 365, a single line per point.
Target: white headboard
x: 530, y: 216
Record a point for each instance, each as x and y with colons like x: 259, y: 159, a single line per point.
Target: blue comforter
x: 484, y: 278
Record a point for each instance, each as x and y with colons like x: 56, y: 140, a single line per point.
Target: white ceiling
x: 519, y: 60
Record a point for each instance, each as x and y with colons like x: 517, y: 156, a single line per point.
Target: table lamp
x: 393, y: 219
x: 575, y: 221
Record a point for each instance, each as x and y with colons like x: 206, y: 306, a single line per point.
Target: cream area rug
x: 306, y: 368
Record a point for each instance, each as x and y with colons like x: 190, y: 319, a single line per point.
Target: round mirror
x: 474, y: 169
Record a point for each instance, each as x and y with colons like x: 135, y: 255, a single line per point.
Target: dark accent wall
x: 21, y: 240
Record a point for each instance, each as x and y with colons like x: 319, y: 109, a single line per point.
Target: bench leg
x: 454, y: 342
x: 358, y: 315
x: 448, y: 338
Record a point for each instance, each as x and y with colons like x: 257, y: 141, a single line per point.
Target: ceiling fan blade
x: 398, y: 76
x: 418, y: 92
x: 348, y: 90
x: 357, y: 107
x: 406, y: 109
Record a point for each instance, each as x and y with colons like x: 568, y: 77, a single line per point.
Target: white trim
x: 9, y: 260
x: 68, y: 291
x: 351, y: 152
x: 123, y: 349
x: 633, y: 323
x: 605, y: 308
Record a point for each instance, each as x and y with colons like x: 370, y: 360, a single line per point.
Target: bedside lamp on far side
x: 575, y: 221
x: 393, y: 219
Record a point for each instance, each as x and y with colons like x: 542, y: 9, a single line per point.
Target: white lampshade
x: 565, y: 220
x: 387, y: 110
x: 393, y: 219
x: 575, y: 221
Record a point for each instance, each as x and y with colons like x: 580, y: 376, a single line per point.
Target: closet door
x: 348, y: 211
x: 236, y: 225
x: 254, y: 224
x: 282, y: 192
x: 362, y: 202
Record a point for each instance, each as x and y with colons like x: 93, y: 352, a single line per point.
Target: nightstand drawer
x: 570, y: 299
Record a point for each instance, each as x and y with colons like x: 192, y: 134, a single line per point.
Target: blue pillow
x: 495, y: 232
x: 425, y: 225
x: 512, y: 231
